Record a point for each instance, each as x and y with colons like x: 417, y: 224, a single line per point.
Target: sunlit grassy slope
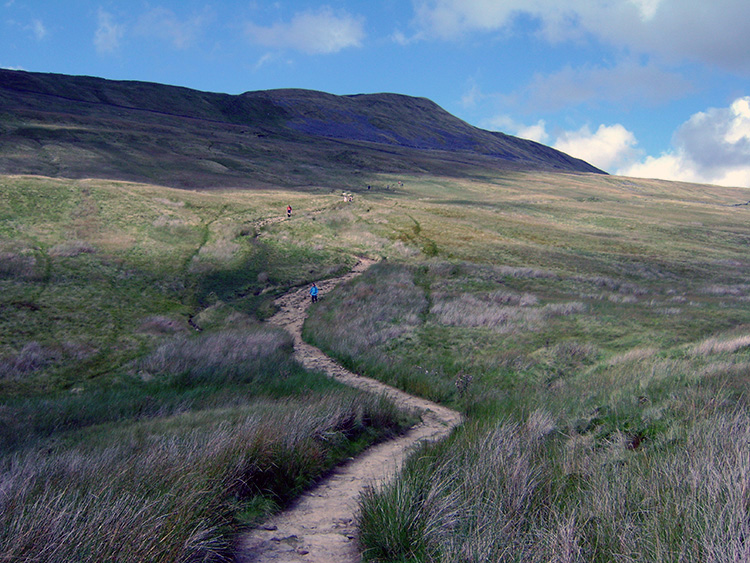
x: 594, y: 329
x: 596, y: 333
x: 145, y: 412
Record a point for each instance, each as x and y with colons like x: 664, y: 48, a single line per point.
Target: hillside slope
x: 74, y: 126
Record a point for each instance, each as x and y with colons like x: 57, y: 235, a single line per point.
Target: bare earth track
x: 320, y: 526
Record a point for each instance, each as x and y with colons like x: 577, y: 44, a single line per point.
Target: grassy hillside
x: 594, y: 329
x: 126, y: 434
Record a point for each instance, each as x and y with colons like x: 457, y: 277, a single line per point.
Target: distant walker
x: 314, y: 293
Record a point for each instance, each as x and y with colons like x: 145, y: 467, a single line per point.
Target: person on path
x: 288, y: 210
x: 314, y: 293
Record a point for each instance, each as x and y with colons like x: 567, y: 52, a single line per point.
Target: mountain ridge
x: 80, y: 126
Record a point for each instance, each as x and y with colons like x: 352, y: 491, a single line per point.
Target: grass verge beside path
x: 601, y: 425
x: 227, y: 429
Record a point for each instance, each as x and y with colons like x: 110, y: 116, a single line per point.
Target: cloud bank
x: 108, y: 34
x: 713, y: 33
x: 312, y: 32
x: 712, y: 147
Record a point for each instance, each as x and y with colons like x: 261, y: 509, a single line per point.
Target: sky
x: 644, y: 88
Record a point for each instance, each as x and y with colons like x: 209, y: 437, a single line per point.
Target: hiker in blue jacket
x: 314, y: 293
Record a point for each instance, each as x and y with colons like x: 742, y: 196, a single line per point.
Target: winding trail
x: 320, y: 526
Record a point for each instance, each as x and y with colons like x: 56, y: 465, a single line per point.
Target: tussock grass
x: 631, y: 356
x: 591, y: 329
x: 32, y: 357
x: 473, y: 311
x: 161, y: 324
x: 385, y: 311
x: 171, y: 490
x: 525, y: 493
x: 72, y: 248
x: 606, y: 409
x: 721, y: 346
x: 145, y: 413
x: 15, y: 265
x: 219, y: 357
x: 212, y: 432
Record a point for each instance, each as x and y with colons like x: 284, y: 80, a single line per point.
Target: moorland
x: 594, y: 330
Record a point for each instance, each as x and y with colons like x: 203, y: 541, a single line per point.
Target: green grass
x: 594, y: 330
x: 126, y: 434
x: 596, y: 338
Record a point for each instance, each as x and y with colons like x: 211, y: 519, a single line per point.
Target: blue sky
x: 647, y: 88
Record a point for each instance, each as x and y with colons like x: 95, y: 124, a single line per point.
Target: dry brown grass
x: 499, y: 311
x: 72, y: 248
x: 721, y: 345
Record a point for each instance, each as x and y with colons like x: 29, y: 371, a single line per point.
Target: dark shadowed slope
x: 73, y: 126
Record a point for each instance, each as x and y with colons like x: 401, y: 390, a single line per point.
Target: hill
x: 84, y: 127
x: 593, y: 330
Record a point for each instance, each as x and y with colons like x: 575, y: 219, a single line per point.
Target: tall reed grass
x: 528, y: 493
x: 174, y: 489
x: 202, y: 435
x: 599, y: 429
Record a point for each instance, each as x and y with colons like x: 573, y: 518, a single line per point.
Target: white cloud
x: 473, y: 95
x: 669, y: 166
x: 608, y: 147
x: 448, y: 19
x: 711, y: 147
x: 626, y: 82
x: 163, y: 23
x: 647, y: 8
x: 272, y: 57
x: 536, y: 132
x: 38, y: 29
x: 312, y: 32
x: 400, y: 38
x: 677, y: 30
x: 108, y: 34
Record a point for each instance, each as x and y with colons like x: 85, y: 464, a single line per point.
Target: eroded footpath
x: 320, y: 526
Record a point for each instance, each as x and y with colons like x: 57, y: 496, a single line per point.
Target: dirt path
x: 320, y: 527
